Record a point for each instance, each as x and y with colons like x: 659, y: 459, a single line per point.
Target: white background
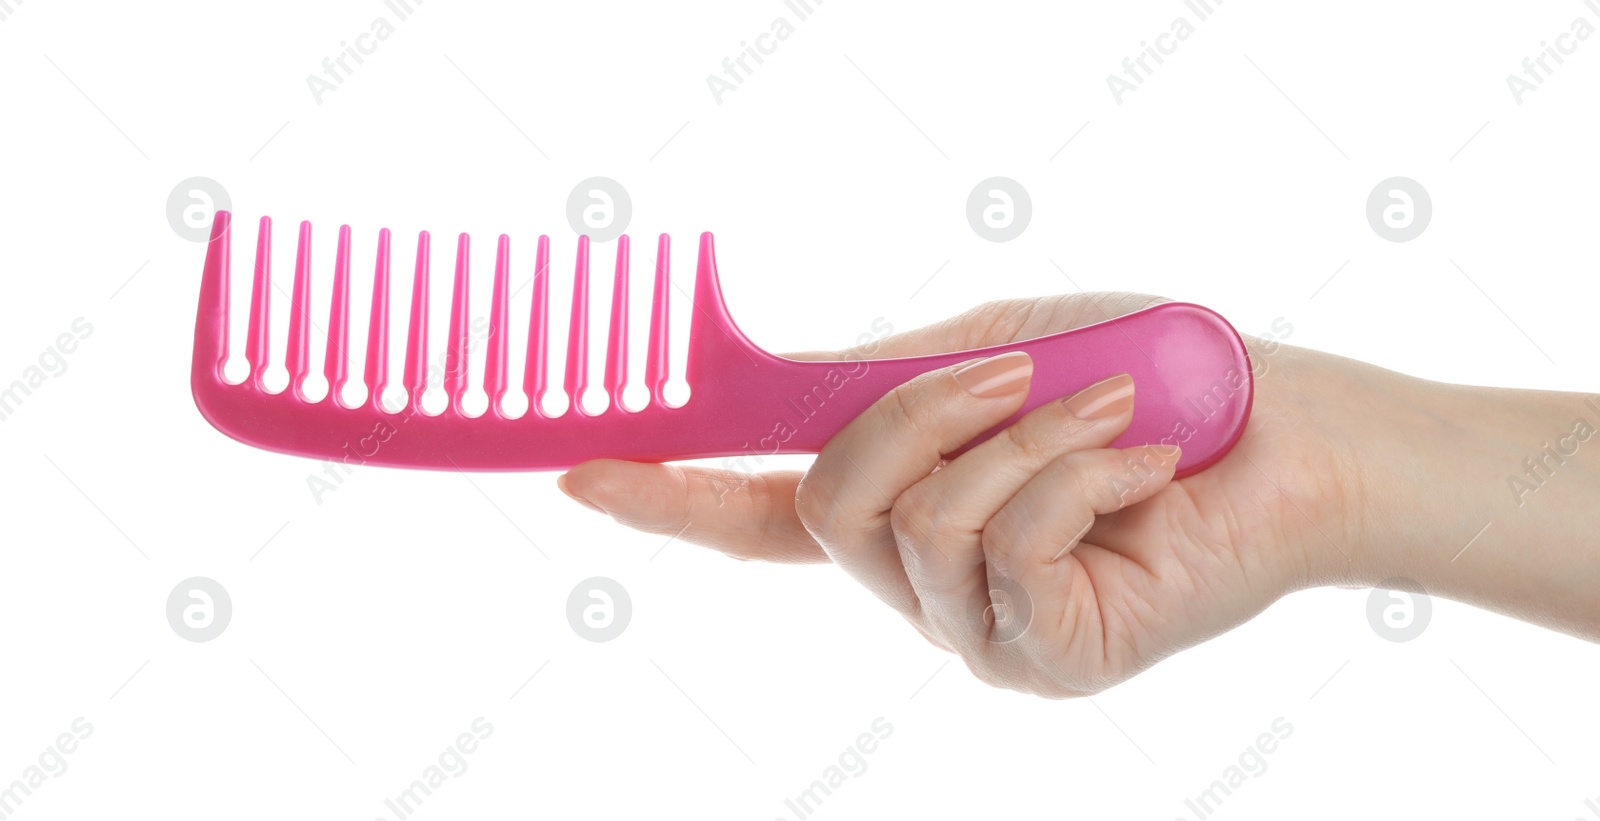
x: 373, y: 628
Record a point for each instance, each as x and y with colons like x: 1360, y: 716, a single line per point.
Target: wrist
x: 1475, y: 494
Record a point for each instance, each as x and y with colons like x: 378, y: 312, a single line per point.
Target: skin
x: 1347, y: 474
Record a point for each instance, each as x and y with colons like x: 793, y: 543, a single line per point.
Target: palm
x: 1170, y: 571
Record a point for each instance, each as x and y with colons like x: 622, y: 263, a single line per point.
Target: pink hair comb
x: 1191, y: 369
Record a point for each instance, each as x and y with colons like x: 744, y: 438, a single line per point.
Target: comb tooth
x: 577, y: 377
x: 455, y: 357
x: 416, y: 375
x: 713, y: 336
x: 494, y: 370
x: 335, y: 366
x: 299, y: 363
x: 211, y: 323
x: 377, y: 373
x: 536, y: 371
x: 655, y: 363
x: 617, y: 338
x: 255, y: 345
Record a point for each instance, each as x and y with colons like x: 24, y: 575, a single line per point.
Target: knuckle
x: 816, y: 506
x: 984, y: 670
x: 904, y: 410
x: 1002, y: 540
x: 1106, y: 480
x: 1036, y: 439
x: 913, y: 517
x: 762, y: 497
x: 1076, y: 471
x: 995, y: 319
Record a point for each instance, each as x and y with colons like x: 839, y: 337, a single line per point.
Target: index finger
x: 745, y: 515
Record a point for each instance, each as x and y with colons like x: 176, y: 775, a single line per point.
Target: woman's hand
x: 1056, y: 566
x: 1049, y: 562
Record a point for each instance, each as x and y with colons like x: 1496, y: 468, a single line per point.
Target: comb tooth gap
x: 305, y: 386
x: 680, y: 314
x: 235, y: 311
x: 275, y: 315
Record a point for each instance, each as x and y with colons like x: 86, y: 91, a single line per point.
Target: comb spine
x: 455, y: 357
x: 616, y: 377
x: 576, y: 380
x: 336, y: 364
x: 655, y: 363
x: 416, y: 374
x: 494, y: 369
x: 299, y: 360
x: 256, y: 345
x: 377, y: 370
x: 536, y: 370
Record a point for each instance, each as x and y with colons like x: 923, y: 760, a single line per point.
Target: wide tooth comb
x: 1194, y: 378
x: 256, y: 342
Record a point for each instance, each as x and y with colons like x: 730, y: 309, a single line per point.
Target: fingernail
x: 997, y: 375
x: 1102, y: 399
x: 561, y: 482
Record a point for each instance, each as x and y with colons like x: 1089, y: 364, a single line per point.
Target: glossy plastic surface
x: 1190, y: 367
